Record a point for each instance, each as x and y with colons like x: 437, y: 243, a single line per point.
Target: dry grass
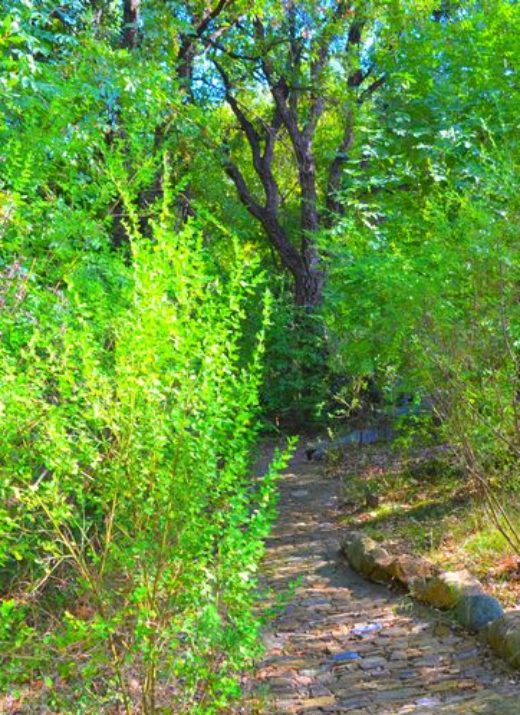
x: 419, y: 502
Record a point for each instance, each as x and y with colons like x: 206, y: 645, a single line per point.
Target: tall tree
x: 130, y: 35
x: 310, y: 63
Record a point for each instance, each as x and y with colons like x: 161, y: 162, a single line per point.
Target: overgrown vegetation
x: 423, y: 287
x: 419, y: 503
x: 217, y: 217
x: 130, y: 531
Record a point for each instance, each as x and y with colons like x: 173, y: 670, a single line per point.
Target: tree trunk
x: 130, y: 35
x: 309, y: 279
x: 308, y: 289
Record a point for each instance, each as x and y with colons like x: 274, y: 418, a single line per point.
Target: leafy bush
x: 130, y: 527
x: 423, y: 294
x: 296, y: 387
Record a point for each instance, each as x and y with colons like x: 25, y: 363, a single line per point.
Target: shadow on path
x: 342, y: 645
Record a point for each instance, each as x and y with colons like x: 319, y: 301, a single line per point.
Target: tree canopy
x: 221, y: 218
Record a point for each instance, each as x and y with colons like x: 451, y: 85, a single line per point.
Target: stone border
x: 456, y: 591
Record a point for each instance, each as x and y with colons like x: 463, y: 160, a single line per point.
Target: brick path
x: 342, y: 645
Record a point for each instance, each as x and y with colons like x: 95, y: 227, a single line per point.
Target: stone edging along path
x: 455, y: 591
x: 339, y: 644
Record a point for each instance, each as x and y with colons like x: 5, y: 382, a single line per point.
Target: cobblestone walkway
x: 342, y: 645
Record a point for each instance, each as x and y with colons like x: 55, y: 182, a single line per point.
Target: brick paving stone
x: 405, y: 662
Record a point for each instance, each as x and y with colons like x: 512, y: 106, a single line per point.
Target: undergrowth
x: 422, y: 504
x: 130, y: 527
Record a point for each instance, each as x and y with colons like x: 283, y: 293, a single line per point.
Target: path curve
x: 342, y: 645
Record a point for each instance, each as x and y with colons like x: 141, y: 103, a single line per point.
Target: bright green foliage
x: 130, y: 527
x: 296, y: 388
x: 71, y: 102
x: 133, y: 341
x: 424, y: 288
x: 126, y: 501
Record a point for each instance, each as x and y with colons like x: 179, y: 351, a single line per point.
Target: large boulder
x: 446, y: 589
x: 476, y: 611
x: 367, y: 557
x: 503, y: 635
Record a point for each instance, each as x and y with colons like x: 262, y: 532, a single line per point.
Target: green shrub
x: 296, y: 387
x: 423, y: 283
x: 130, y: 526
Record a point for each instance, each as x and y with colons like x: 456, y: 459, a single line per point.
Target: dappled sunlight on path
x: 342, y: 645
